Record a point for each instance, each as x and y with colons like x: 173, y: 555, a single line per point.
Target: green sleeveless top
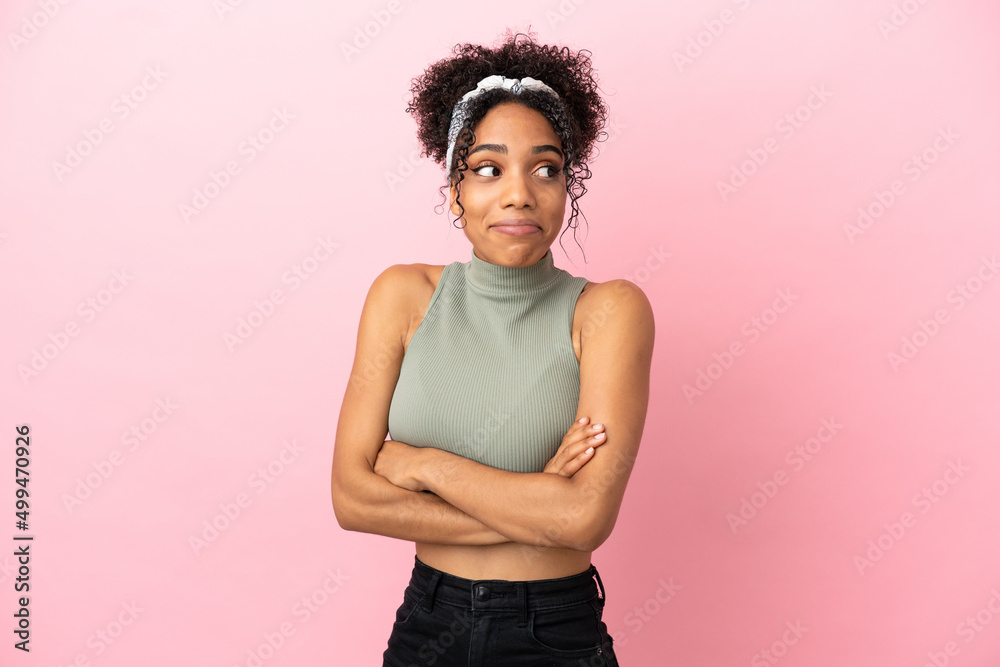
x: 490, y: 373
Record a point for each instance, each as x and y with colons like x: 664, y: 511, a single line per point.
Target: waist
x: 505, y: 561
x: 504, y: 595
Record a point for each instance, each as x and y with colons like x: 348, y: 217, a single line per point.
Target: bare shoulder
x: 404, y: 281
x: 619, y: 296
x: 406, y: 291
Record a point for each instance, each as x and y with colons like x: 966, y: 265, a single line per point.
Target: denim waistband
x: 502, y: 595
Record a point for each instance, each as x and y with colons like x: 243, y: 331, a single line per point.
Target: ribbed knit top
x: 490, y: 373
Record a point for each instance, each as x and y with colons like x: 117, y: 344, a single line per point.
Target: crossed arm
x: 377, y: 484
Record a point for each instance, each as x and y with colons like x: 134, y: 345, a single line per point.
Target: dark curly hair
x: 577, y: 117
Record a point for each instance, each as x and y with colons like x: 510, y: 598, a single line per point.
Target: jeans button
x: 482, y: 593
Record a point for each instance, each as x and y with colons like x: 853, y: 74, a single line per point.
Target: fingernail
x: 596, y: 426
x: 590, y: 450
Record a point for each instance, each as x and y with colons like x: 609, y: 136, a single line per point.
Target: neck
x: 498, y: 279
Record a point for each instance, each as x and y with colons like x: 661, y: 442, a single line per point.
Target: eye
x: 485, y: 166
x: 555, y: 170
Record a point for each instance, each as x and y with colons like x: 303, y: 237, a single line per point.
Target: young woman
x: 514, y: 392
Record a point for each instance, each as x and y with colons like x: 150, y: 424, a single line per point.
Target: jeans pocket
x: 411, y: 603
x: 571, y: 632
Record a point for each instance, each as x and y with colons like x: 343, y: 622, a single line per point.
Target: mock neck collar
x: 495, y: 279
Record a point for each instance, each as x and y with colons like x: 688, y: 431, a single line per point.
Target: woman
x: 514, y: 392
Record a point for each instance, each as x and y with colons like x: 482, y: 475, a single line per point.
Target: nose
x: 517, y: 190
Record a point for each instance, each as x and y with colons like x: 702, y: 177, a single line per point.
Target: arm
x: 577, y: 512
x: 362, y: 500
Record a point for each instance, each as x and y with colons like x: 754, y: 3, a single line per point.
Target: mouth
x: 516, y: 227
x: 515, y: 222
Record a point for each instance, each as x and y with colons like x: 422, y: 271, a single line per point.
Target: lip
x: 516, y: 227
x: 515, y: 222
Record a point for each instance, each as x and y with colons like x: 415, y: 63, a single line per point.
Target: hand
x: 398, y: 463
x: 572, y: 453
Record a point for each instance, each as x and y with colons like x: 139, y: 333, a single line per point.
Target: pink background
x: 842, y: 546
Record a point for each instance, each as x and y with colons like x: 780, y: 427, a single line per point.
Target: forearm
x: 540, y: 509
x: 372, y: 504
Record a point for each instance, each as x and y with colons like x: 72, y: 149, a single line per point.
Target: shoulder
x: 403, y: 287
x: 616, y: 313
x: 621, y: 297
x: 401, y: 279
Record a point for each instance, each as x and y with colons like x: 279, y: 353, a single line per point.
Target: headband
x: 459, y: 115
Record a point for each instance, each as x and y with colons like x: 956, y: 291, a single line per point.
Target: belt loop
x: 600, y: 583
x: 428, y: 600
x: 522, y: 603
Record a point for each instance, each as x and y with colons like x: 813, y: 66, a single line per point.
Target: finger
x: 570, y: 450
x: 581, y: 460
x: 586, y: 440
x: 573, y: 466
x: 582, y: 432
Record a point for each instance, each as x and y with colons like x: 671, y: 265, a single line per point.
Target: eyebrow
x: 502, y: 149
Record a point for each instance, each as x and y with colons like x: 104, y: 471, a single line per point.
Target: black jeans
x: 448, y: 621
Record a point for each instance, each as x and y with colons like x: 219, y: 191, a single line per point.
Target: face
x: 515, y: 175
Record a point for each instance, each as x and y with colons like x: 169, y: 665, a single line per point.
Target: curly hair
x: 577, y: 117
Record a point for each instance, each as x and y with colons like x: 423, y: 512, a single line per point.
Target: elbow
x: 343, y: 519
x: 591, y: 532
x: 342, y: 508
x: 582, y: 526
x: 591, y: 528
x: 340, y: 511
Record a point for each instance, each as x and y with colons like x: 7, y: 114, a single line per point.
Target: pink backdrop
x: 196, y: 197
